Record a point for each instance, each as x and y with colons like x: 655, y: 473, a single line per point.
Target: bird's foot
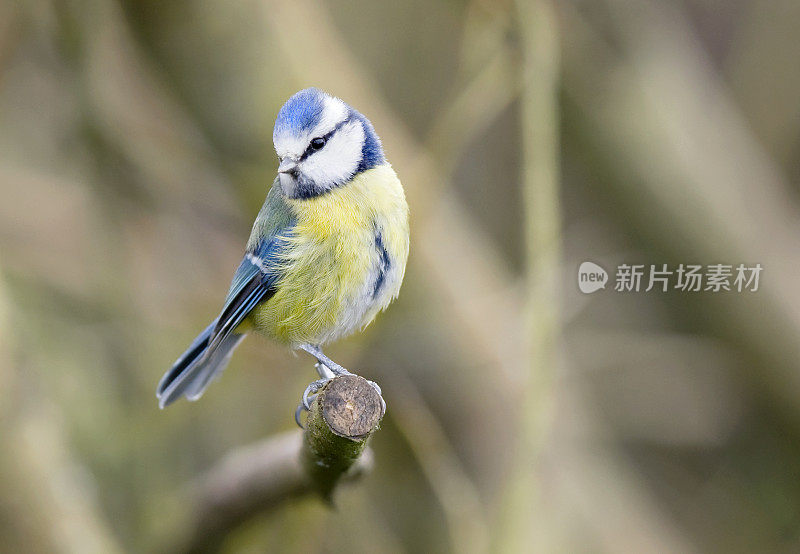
x: 326, y: 373
x: 309, y: 395
x: 328, y: 369
x: 380, y: 395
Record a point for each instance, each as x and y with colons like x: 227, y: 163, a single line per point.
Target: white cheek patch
x: 338, y: 159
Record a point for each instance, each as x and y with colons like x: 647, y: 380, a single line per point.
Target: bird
x: 326, y: 254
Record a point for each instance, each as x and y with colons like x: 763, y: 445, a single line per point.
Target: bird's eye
x: 317, y: 143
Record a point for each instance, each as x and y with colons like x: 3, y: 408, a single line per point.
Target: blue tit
x: 327, y: 251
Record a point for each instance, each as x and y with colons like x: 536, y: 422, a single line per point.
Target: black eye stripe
x: 325, y: 137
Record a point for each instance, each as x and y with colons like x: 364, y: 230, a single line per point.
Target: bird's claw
x: 310, y: 393
x: 380, y: 395
x: 376, y: 387
x: 308, y: 398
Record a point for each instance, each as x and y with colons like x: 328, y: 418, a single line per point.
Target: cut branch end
x: 343, y: 416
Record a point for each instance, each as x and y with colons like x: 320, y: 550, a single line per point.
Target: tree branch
x: 258, y: 478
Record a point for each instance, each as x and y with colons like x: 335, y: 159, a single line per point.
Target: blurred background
x: 135, y: 151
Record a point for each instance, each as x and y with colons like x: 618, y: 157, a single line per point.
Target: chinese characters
x: 687, y: 278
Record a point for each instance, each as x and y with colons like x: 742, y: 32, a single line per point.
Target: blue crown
x: 300, y: 113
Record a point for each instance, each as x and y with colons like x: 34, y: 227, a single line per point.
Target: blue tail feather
x: 196, y: 368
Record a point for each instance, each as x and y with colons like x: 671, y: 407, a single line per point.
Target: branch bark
x: 261, y: 477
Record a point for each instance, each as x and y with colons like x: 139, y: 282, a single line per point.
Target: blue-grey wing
x: 254, y: 281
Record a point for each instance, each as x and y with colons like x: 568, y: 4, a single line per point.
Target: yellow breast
x: 332, y: 266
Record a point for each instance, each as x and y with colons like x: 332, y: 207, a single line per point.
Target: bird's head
x: 322, y: 143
